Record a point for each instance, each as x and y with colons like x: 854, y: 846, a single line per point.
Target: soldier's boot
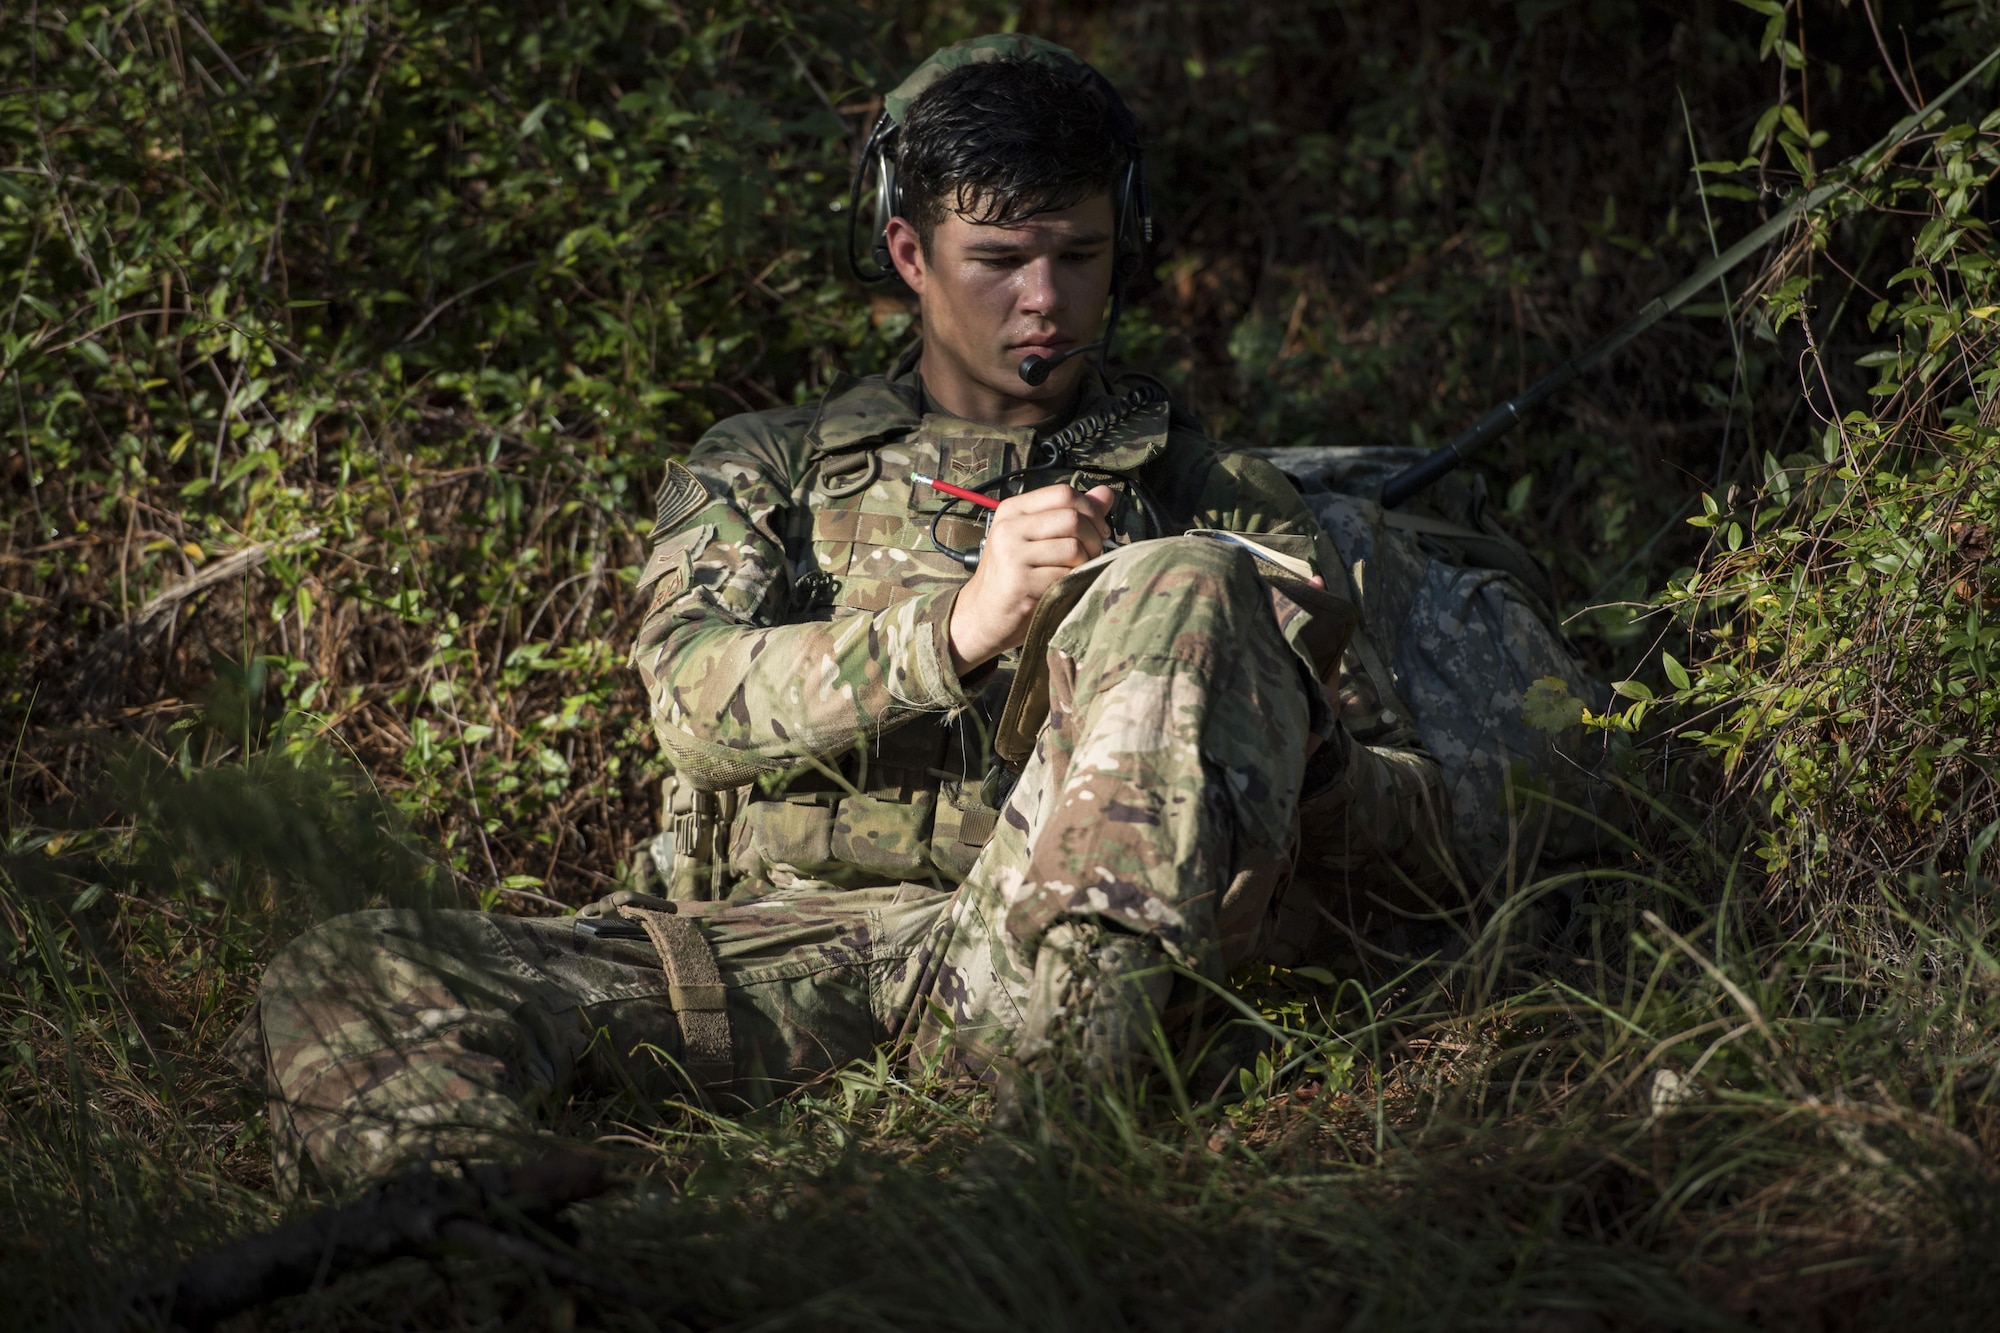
x: 1093, y: 1009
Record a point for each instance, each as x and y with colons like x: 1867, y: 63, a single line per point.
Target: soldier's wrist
x: 971, y: 649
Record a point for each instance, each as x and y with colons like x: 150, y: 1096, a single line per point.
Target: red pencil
x: 956, y: 492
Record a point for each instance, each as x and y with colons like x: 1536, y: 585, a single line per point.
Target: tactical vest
x: 918, y: 802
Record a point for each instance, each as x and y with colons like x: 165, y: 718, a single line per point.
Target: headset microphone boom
x: 1035, y: 368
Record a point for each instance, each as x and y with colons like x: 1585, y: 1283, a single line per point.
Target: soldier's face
x: 994, y: 295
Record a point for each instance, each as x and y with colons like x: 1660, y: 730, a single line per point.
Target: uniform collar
x: 860, y: 413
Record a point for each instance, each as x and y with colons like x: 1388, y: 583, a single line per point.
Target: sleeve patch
x: 671, y: 585
x: 672, y: 562
x: 681, y: 496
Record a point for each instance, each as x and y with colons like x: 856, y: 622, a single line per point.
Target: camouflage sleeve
x: 737, y: 688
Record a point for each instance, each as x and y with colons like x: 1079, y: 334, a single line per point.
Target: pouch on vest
x: 795, y: 835
x: 963, y: 826
x: 692, y: 851
x: 887, y: 838
x: 839, y: 839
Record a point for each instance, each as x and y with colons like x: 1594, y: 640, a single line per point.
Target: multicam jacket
x: 795, y: 648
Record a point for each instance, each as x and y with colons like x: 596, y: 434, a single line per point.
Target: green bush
x: 419, y: 296
x: 1841, y: 655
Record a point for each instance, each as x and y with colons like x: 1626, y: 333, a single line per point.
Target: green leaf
x: 1765, y: 124
x: 1547, y: 705
x: 244, y: 466
x: 1774, y: 32
x: 1676, y: 673
x: 1795, y: 154
x: 1633, y: 689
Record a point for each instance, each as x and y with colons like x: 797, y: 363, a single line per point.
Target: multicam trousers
x: 396, y: 1035
x: 1158, y: 805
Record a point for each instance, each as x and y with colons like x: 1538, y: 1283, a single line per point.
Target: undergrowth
x: 344, y: 342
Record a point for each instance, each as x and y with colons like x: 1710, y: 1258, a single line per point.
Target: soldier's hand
x: 1031, y: 541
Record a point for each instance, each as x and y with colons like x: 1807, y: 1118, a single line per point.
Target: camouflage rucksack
x: 1463, y: 617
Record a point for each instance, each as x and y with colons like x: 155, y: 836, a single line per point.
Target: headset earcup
x: 888, y: 204
x: 878, y: 156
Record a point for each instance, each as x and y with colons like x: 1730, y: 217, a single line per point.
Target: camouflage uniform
x: 843, y: 839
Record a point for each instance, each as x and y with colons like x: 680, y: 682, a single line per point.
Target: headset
x: 1131, y: 204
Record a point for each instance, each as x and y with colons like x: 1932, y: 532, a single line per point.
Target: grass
x: 1488, y: 1142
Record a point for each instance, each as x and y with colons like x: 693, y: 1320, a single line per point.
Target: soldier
x: 980, y: 781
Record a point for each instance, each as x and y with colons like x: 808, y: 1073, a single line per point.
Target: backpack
x: 1461, y: 616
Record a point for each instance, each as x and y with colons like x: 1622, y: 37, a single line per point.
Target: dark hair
x: 1000, y: 141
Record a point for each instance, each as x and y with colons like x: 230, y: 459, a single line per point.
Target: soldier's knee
x: 1183, y: 559
x: 1159, y: 585
x: 333, y: 952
